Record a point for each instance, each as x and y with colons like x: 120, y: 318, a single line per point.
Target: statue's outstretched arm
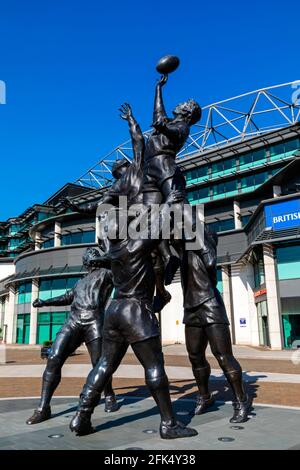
x: 65, y: 299
x: 138, y: 141
x: 87, y: 208
x: 159, y: 113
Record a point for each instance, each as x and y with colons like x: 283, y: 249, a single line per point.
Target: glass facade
x: 219, y: 280
x: 24, y: 293
x: 263, y: 325
x: 232, y: 166
x: 259, y: 271
x: 23, y: 327
x: 78, y: 238
x: 290, y: 309
x: 49, y: 323
x: 221, y: 225
x: 288, y: 262
x: 229, y: 188
x: 50, y: 288
x: 48, y: 243
x: 14, y: 238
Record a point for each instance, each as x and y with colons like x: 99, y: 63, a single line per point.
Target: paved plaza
x: 272, y: 380
x: 135, y: 426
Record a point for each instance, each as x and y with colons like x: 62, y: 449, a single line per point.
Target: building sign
x: 260, y: 292
x: 243, y: 322
x: 283, y: 215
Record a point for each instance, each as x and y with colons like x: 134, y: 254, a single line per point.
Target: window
x: 48, y: 243
x: 247, y: 181
x: 23, y: 328
x: 230, y: 186
x: 246, y: 159
x: 260, y: 178
x: 259, y: 273
x: 293, y: 144
x: 219, y: 280
x: 245, y: 219
x: 218, y: 166
x: 223, y: 167
x: 218, y: 189
x: 71, y: 281
x: 43, y: 216
x: 258, y: 155
x: 59, y: 287
x: 198, y: 194
x: 45, y: 290
x: 49, y: 323
x: 24, y: 293
x: 50, y: 288
x: 221, y: 225
x: 277, y: 149
x: 14, y: 228
x: 197, y: 173
x: 229, y: 163
x: 288, y: 262
x: 88, y: 237
x: 77, y: 238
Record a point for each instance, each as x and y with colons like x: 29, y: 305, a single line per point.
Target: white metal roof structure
x: 223, y: 123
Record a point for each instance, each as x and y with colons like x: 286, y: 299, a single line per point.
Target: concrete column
x: 251, y: 306
x: 227, y: 299
x: 11, y: 317
x: 240, y: 304
x: 57, y: 234
x: 37, y: 241
x: 172, y: 328
x: 237, y: 216
x: 2, y: 310
x: 33, y: 312
x: 276, y: 190
x: 272, y: 298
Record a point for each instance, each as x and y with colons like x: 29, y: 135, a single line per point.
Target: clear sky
x: 69, y: 64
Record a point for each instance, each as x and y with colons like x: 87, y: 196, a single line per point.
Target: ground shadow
x: 182, y: 391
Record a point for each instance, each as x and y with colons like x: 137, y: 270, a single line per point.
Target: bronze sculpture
x: 153, y: 178
x: 206, y: 323
x: 130, y: 319
x: 87, y: 299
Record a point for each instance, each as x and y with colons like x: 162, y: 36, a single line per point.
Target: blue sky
x: 69, y: 64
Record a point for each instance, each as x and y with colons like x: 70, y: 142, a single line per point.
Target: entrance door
x: 263, y: 324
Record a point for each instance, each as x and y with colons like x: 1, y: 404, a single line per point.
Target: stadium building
x: 243, y: 163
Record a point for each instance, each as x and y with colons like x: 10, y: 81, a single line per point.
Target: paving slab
x: 136, y: 425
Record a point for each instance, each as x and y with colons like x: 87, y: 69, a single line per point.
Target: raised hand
x: 163, y: 80
x: 126, y: 111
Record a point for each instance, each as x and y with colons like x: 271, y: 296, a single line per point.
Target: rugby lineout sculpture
x: 141, y: 265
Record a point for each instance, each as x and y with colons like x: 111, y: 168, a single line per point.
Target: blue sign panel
x: 283, y: 215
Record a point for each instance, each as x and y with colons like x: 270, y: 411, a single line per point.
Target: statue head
x: 189, y: 111
x: 119, y: 168
x: 90, y: 255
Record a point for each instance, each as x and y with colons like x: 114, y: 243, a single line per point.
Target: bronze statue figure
x: 206, y: 323
x: 87, y: 299
x: 130, y: 319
